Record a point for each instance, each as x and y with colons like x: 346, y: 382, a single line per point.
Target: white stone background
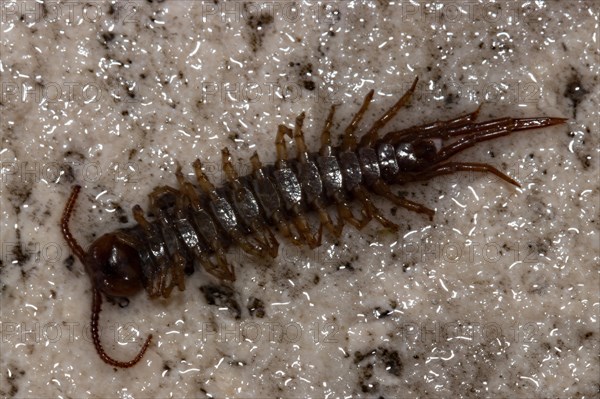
x: 497, y: 297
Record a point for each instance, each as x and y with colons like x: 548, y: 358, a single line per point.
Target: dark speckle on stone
x: 347, y: 266
x: 17, y: 249
x: 371, y: 387
x: 222, y: 296
x: 376, y: 361
x: 306, y: 70
x: 108, y: 37
x: 257, y: 24
x: 391, y: 361
x: 256, y: 307
x: 69, y: 262
x: 575, y: 90
x: 309, y: 85
x: 122, y: 215
x: 69, y: 174
x: 380, y: 313
x: 123, y: 302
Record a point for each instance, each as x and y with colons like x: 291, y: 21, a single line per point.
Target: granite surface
x: 497, y: 297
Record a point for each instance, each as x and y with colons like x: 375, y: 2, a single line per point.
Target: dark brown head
x: 114, y: 266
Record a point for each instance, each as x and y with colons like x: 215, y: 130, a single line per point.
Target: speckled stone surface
x: 497, y: 297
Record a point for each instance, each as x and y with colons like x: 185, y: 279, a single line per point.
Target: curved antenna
x: 96, y: 307
x: 64, y: 224
x: 97, y: 296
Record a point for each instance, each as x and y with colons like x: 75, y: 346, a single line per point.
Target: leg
x: 349, y: 141
x: 326, y: 134
x: 435, y: 129
x: 177, y: 268
x: 285, y: 228
x: 345, y: 213
x: 453, y: 167
x: 299, y: 137
x: 371, y: 210
x: 203, y: 181
x: 490, y: 130
x: 383, y: 189
x: 282, y: 155
x: 371, y: 136
x: 325, y: 219
x: 228, y: 168
x: 303, y: 228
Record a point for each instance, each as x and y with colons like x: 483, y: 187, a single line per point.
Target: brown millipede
x: 192, y: 225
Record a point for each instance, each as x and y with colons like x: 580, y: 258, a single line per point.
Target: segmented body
x: 197, y: 224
